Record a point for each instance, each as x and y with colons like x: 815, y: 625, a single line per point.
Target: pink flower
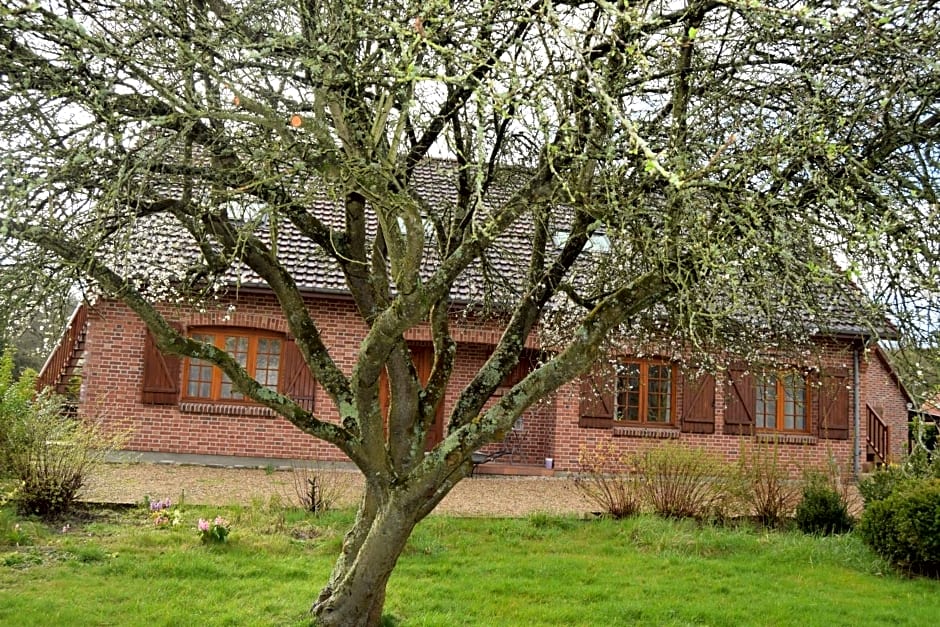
x: 203, y: 524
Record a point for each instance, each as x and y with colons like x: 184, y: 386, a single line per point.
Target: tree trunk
x: 355, y: 594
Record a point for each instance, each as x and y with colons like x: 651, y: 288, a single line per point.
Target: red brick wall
x: 878, y: 387
x: 883, y: 392
x: 113, y: 371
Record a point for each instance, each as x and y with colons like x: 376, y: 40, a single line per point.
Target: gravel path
x: 478, y: 496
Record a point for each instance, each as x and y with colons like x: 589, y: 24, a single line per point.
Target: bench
x: 507, y: 448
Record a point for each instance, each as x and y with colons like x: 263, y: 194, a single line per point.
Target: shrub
x: 886, y: 480
x: 904, y: 528
x: 922, y: 464
x: 684, y: 482
x: 607, y: 479
x: 823, y: 509
x: 48, y: 455
x: 882, y: 483
x: 764, y: 485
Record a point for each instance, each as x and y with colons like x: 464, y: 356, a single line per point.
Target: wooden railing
x: 58, y: 360
x: 878, y: 434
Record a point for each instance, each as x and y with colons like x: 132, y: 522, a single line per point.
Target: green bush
x: 16, y: 399
x: 48, y: 455
x: 882, y: 483
x: 823, y: 510
x: 904, y: 528
x: 684, y: 482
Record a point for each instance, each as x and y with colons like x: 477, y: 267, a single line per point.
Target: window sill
x: 786, y: 438
x: 651, y: 433
x: 225, y: 409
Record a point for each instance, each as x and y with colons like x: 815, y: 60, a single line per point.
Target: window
x: 782, y: 403
x: 598, y: 241
x: 645, y: 393
x: 258, y: 353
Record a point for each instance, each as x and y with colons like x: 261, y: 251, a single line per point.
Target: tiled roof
x: 839, y: 309
x: 168, y: 248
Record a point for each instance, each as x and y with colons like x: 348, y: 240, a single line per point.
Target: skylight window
x: 426, y: 223
x: 598, y: 242
x: 245, y: 212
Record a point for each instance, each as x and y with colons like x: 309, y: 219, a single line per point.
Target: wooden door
x: 423, y: 357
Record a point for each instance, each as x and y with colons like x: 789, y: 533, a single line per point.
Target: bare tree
x: 690, y: 170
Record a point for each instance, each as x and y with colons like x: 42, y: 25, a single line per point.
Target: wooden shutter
x: 295, y: 379
x: 422, y: 356
x: 598, y: 397
x: 698, y: 404
x: 740, y: 402
x: 833, y: 413
x: 161, y: 378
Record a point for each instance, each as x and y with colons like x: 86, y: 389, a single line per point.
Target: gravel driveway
x: 479, y: 496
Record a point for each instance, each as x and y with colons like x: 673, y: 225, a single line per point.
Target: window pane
x: 268, y: 362
x: 766, y: 410
x: 628, y: 392
x: 237, y: 347
x: 659, y: 394
x: 199, y: 379
x: 794, y: 407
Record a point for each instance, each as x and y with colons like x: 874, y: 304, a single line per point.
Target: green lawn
x: 116, y: 569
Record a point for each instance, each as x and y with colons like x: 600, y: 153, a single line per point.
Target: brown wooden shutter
x: 698, y: 404
x: 833, y: 413
x: 422, y: 356
x: 161, y: 378
x: 740, y: 402
x: 295, y: 379
x: 598, y: 397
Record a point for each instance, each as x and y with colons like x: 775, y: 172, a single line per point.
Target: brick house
x: 843, y: 400
x: 174, y: 405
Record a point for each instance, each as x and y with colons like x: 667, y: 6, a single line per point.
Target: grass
x: 113, y: 567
